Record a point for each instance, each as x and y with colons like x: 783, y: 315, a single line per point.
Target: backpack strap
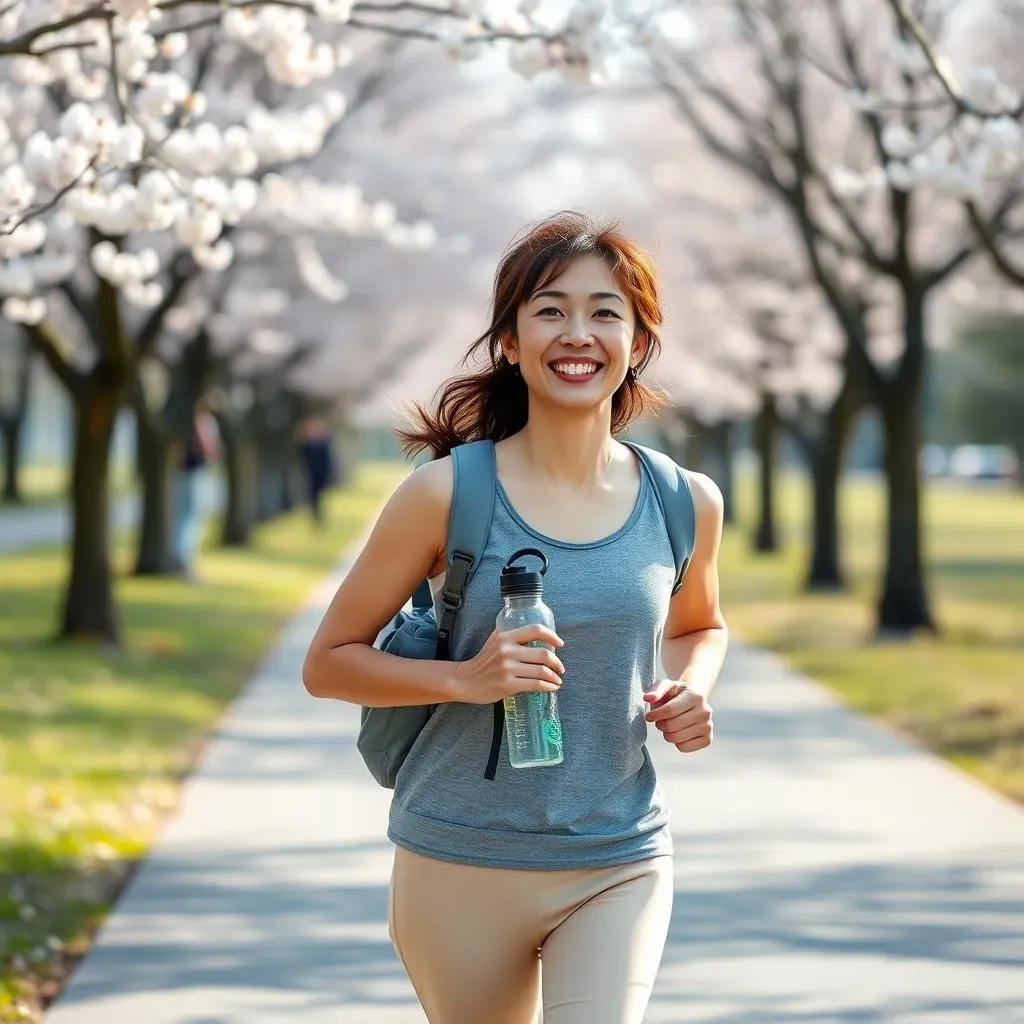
x: 469, y: 523
x: 475, y: 475
x: 676, y: 501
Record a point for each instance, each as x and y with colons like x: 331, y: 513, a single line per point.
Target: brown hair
x: 492, y: 403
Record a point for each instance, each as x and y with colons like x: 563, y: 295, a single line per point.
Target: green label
x: 553, y: 731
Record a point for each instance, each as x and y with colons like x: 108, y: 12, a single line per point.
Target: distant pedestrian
x: 200, y: 449
x: 318, y: 462
x: 530, y: 886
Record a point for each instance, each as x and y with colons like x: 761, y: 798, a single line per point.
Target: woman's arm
x: 695, y: 639
x: 404, y: 545
x: 407, y: 541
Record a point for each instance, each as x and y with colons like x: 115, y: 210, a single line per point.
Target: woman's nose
x: 577, y: 330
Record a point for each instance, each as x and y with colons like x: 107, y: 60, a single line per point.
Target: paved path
x: 825, y: 873
x: 30, y: 527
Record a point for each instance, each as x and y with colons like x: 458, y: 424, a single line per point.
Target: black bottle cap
x: 518, y: 580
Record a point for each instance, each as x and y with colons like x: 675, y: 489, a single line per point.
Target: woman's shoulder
x: 428, y: 487
x: 708, y: 504
x: 707, y: 496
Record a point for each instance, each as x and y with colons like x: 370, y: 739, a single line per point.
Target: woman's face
x: 576, y: 336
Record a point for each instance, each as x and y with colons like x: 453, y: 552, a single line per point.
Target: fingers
x: 538, y: 656
x: 533, y: 633
x: 674, y: 704
x: 664, y: 691
x: 681, y: 737
x: 693, y: 745
x: 532, y: 673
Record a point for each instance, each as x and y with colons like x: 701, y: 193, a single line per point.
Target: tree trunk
x: 694, y: 448
x: 12, y: 424
x: 722, y: 470
x: 826, y: 465
x: 903, y: 606
x: 155, y: 555
x: 824, y: 572
x: 240, y: 478
x: 11, y: 429
x: 765, y: 434
x: 89, y: 601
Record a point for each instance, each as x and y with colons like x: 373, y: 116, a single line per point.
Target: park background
x: 839, y: 247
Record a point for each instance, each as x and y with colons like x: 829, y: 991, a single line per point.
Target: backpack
x: 386, y: 735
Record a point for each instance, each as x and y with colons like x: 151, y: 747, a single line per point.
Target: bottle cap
x: 518, y: 580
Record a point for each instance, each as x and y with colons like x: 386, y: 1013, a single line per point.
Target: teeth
x: 577, y: 369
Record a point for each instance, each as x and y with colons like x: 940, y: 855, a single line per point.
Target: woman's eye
x: 610, y: 312
x: 547, y: 311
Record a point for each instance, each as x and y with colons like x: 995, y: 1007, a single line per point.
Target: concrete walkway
x: 30, y: 527
x: 825, y: 872
x: 22, y: 528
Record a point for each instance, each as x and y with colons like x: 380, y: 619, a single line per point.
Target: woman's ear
x: 509, y: 349
x: 641, y: 344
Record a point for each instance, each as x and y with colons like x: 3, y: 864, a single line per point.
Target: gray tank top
x: 603, y: 804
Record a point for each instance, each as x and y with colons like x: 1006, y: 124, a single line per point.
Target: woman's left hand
x: 682, y: 716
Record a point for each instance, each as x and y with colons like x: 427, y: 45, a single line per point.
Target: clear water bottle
x: 531, y: 719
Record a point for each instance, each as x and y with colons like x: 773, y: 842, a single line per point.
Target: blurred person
x: 317, y: 462
x: 546, y: 886
x: 201, y: 447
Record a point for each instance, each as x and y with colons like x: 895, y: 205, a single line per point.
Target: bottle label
x: 553, y: 731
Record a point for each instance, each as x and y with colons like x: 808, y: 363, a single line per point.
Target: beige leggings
x: 492, y: 945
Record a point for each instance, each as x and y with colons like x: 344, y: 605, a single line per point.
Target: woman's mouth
x: 575, y: 371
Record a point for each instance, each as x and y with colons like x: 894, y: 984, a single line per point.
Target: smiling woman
x: 517, y: 884
x: 567, y: 278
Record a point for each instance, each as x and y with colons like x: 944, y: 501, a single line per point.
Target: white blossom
x: 174, y: 46
x: 214, y: 257
x: 152, y: 157
x: 25, y: 311
x: 899, y: 141
x: 899, y: 175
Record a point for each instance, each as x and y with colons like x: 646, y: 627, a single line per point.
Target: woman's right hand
x: 505, y: 665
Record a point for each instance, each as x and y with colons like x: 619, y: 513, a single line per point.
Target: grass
x: 93, y: 744
x: 959, y: 694
x: 46, y: 483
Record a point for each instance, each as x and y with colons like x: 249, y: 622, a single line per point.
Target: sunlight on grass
x: 93, y: 744
x: 46, y: 483
x: 960, y: 694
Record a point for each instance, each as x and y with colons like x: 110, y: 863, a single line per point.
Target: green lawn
x: 92, y: 744
x: 46, y: 483
x: 962, y: 694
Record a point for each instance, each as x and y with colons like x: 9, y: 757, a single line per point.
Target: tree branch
x: 183, y: 271
x: 906, y: 17
x: 47, y: 343
x: 990, y: 244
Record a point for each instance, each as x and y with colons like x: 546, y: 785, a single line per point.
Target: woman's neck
x: 574, y: 451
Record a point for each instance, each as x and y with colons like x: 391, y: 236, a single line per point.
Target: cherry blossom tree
x: 151, y: 132
x: 967, y: 134
x: 767, y: 94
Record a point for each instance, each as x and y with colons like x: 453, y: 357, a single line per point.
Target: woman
x: 548, y: 885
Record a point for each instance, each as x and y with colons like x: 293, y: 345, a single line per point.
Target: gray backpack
x: 386, y: 735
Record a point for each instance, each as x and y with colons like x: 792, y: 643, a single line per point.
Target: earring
x: 631, y: 373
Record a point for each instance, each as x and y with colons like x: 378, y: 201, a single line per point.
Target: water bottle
x: 531, y: 718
